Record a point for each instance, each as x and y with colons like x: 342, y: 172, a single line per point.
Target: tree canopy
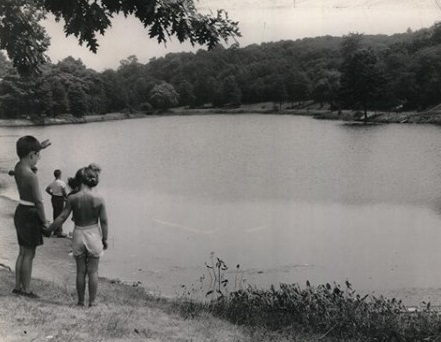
x: 358, y: 72
x: 26, y: 41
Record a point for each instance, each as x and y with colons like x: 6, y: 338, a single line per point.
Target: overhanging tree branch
x: 26, y: 41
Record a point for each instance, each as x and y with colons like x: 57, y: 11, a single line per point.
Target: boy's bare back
x: 28, y: 187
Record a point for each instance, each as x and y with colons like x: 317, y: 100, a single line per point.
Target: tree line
x: 356, y: 71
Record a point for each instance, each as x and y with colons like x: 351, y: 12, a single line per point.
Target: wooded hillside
x: 398, y: 72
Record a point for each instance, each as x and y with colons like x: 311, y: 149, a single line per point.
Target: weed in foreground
x: 328, y: 310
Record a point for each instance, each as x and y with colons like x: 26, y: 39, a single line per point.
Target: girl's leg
x: 18, y: 271
x: 92, y: 273
x: 81, y: 277
x: 26, y: 267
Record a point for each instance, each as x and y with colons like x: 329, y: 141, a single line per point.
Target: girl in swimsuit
x: 90, y: 233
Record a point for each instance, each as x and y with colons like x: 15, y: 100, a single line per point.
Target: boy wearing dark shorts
x: 29, y: 218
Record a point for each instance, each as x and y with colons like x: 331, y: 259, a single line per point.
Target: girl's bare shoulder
x: 98, y: 198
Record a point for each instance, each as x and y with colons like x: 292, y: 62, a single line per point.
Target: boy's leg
x: 92, y: 273
x: 81, y: 277
x: 58, y: 206
x: 18, y: 271
x: 26, y: 267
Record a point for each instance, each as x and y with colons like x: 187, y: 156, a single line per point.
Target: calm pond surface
x: 288, y: 198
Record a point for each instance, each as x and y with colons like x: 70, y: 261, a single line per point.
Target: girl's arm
x: 63, y: 216
x: 104, y: 223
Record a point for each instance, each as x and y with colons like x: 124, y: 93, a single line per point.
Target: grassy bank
x: 124, y: 313
x: 127, y: 313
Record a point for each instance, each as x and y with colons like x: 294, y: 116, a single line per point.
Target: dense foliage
x: 25, y: 39
x: 356, y: 71
x: 328, y: 311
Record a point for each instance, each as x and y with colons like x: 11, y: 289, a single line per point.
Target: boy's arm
x: 38, y: 200
x: 104, y: 223
x: 49, y: 190
x: 63, y: 216
x: 45, y: 143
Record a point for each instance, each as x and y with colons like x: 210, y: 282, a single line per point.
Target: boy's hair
x: 26, y: 145
x: 57, y: 173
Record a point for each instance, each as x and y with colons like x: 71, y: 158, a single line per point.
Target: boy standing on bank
x: 57, y: 191
x: 29, y: 219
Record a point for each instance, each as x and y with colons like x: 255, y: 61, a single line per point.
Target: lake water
x: 288, y: 198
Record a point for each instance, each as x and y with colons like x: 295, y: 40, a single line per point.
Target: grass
x: 125, y: 313
x: 327, y: 312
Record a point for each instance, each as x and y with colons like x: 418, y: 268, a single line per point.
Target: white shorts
x: 87, y: 240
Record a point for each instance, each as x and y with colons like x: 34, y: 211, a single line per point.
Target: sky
x: 259, y: 21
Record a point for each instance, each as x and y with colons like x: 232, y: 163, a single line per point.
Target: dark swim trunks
x: 28, y: 226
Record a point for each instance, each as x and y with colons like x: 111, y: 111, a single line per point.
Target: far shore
x: 308, y: 109
x: 68, y: 119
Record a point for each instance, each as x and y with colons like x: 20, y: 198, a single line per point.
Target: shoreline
x: 374, y: 117
x: 69, y: 119
x: 53, y: 262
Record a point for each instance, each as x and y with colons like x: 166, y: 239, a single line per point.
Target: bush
x: 328, y: 310
x: 146, y: 107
